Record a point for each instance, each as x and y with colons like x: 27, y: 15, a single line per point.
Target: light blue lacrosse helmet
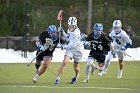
x: 52, y: 30
x: 98, y: 28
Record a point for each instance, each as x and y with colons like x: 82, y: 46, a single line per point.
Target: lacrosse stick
x: 33, y: 59
x: 59, y: 17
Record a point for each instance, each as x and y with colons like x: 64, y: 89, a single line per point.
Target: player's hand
x: 60, y: 46
x: 60, y: 29
x: 113, y: 53
x: 123, y: 48
x: 41, y: 48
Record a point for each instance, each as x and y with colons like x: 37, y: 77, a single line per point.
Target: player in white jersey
x: 74, y: 49
x: 121, y: 42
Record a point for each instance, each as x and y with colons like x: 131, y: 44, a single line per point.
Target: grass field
x: 17, y: 78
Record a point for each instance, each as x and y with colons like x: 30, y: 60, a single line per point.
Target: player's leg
x: 121, y: 57
x: 88, y: 65
x: 61, y: 69
x: 120, y: 69
x: 77, y: 55
x: 101, y: 61
x: 37, y: 65
x: 47, y: 61
x: 107, y: 63
x: 77, y: 71
x: 93, y: 67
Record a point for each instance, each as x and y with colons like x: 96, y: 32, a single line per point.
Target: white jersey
x: 120, y: 39
x: 75, y: 47
x: 74, y: 40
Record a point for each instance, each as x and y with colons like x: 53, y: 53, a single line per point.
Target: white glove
x: 86, y: 43
x: 60, y: 29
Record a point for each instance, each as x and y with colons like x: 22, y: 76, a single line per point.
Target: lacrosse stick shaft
x: 33, y: 59
x: 60, y: 21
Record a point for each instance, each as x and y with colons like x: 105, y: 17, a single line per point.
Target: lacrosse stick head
x: 59, y: 17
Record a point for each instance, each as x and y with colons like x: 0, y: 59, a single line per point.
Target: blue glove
x: 60, y: 46
x: 113, y: 53
x: 123, y: 48
x: 127, y: 45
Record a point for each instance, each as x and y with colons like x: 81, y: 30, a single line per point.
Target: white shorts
x: 75, y: 54
x: 121, y: 54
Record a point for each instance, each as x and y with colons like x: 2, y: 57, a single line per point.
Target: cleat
x: 74, y: 80
x: 56, y: 81
x: 119, y: 74
x: 35, y: 78
x: 85, y: 81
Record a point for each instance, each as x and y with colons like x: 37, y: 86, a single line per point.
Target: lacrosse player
x: 46, y: 44
x: 74, y: 49
x: 100, y: 44
x: 121, y: 42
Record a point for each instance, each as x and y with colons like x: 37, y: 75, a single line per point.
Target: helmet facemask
x: 117, y: 26
x: 53, y: 35
x: 98, y: 29
x: 52, y: 31
x: 117, y: 29
x: 97, y: 33
x: 71, y: 27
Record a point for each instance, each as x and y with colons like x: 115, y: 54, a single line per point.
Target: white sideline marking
x: 111, y: 88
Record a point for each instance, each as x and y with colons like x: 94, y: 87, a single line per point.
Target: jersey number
x: 118, y: 42
x: 99, y: 47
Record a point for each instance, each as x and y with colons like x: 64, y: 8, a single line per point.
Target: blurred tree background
x: 13, y: 17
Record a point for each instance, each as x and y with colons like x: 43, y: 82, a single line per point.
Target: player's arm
x: 89, y: 37
x: 73, y: 42
x: 128, y: 41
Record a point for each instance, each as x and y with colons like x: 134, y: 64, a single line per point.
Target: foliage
x: 13, y: 17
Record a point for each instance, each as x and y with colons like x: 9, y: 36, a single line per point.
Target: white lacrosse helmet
x: 72, y: 21
x: 117, y: 25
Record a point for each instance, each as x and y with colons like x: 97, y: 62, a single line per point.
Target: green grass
x: 17, y: 78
